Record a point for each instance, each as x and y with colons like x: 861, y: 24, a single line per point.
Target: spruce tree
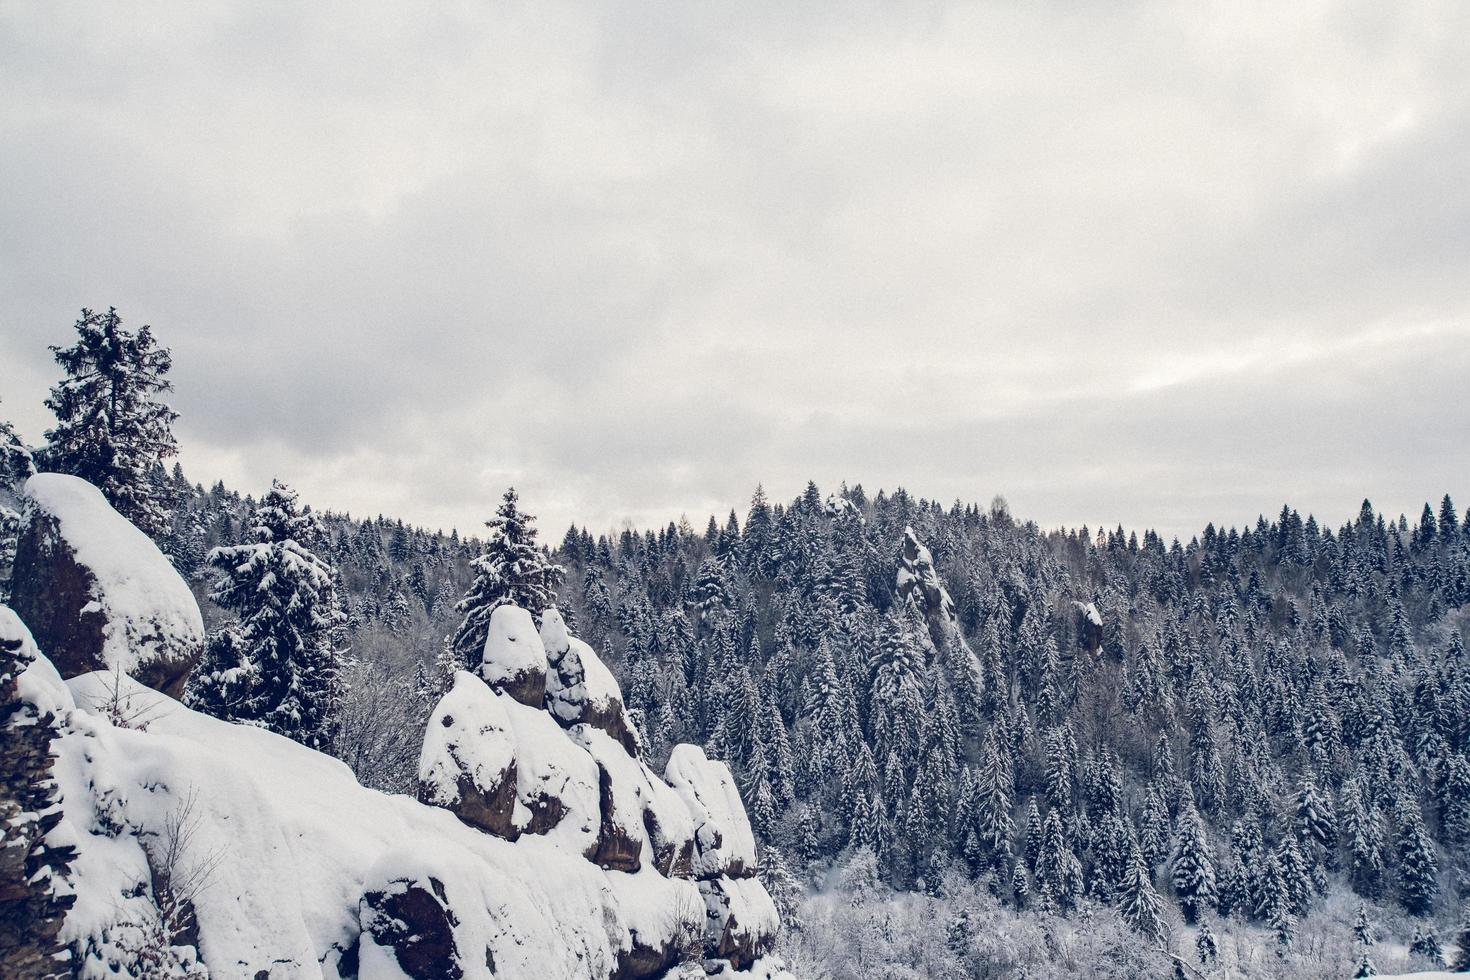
x: 1193, y: 873
x: 511, y: 570
x: 278, y: 665
x: 1418, y: 871
x: 1138, y: 902
x: 110, y: 428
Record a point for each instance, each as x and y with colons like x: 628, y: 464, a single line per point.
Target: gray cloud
x: 1149, y: 265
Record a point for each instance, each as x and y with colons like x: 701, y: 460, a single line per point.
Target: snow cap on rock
x: 723, y: 841
x: 468, y: 762
x: 97, y: 593
x: 515, y: 659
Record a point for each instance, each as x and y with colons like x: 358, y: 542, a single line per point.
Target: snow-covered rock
x: 468, y: 761
x: 580, y: 690
x: 920, y: 588
x: 1089, y: 626
x: 515, y: 660
x: 556, y: 781
x: 644, y: 821
x: 97, y: 593
x: 741, y: 922
x: 723, y: 841
x: 312, y: 875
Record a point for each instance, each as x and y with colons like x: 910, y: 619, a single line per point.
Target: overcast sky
x: 1149, y: 264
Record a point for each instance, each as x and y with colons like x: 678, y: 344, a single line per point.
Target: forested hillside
x: 1262, y: 734
x: 1229, y: 730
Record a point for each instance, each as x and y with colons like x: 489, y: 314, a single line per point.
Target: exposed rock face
x: 557, y: 787
x: 97, y: 593
x: 742, y: 920
x: 412, y: 919
x: 573, y: 774
x: 580, y: 690
x: 514, y: 660
x: 723, y: 841
x: 33, y: 896
x: 468, y: 762
x: 1089, y: 627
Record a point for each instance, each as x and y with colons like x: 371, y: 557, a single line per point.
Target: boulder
x: 97, y: 594
x: 514, y: 660
x: 468, y: 761
x: 723, y: 841
x: 622, y: 838
x: 557, y: 784
x: 742, y: 921
x: 580, y: 690
x: 410, y: 919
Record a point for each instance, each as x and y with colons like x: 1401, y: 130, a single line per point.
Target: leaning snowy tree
x: 512, y: 569
x: 110, y: 428
x: 278, y: 666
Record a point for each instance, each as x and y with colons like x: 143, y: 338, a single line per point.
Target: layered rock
x: 34, y: 892
x: 96, y: 593
x: 580, y: 690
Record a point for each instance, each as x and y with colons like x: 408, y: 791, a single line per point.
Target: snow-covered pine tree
x: 1138, y: 903
x: 1418, y: 870
x: 1193, y: 873
x: 278, y: 665
x: 1425, y: 945
x: 110, y: 428
x: 511, y: 569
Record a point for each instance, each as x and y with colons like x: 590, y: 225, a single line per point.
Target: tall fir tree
x: 511, y: 569
x: 279, y: 664
x: 111, y: 429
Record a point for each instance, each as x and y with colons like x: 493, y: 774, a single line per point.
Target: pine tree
x: 1418, y: 872
x: 1461, y: 961
x: 1425, y: 945
x: 1057, y: 867
x: 1020, y: 885
x: 1205, y: 945
x: 1138, y: 903
x: 111, y: 430
x: 278, y: 665
x: 511, y: 570
x: 1193, y: 873
x: 1365, y: 966
x: 1363, y: 931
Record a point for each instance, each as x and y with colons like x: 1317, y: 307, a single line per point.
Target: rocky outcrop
x: 410, y: 919
x: 1089, y: 627
x: 97, y: 593
x: 468, y: 762
x: 34, y: 893
x: 580, y: 690
x: 741, y: 921
x: 723, y: 842
x: 514, y: 660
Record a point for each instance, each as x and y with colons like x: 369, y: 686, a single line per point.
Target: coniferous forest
x: 969, y: 746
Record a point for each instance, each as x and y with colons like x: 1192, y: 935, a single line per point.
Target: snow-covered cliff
x: 206, y: 848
